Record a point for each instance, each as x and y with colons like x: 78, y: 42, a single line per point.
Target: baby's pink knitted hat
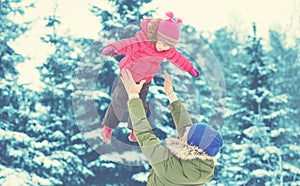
x: 168, y: 30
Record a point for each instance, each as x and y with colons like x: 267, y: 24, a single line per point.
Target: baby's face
x: 160, y: 46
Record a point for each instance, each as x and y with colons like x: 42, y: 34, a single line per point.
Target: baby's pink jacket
x: 141, y: 57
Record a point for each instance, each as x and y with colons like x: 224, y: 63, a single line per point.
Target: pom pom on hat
x: 168, y: 30
x: 178, y: 20
x: 170, y: 14
x: 206, y: 138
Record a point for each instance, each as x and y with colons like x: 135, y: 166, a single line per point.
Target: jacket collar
x: 185, y: 151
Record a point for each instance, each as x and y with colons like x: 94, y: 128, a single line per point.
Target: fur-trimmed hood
x: 185, y: 151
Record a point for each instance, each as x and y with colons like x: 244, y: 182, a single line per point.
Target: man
x: 188, y: 160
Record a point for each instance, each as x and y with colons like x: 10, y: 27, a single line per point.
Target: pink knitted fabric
x: 168, y: 30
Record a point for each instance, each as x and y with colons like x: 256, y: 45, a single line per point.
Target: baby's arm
x: 182, y: 62
x: 128, y: 45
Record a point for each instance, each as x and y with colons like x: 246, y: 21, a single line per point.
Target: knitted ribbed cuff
x: 132, y: 96
x: 172, y: 97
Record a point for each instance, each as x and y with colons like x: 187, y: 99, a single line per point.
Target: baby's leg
x: 117, y: 106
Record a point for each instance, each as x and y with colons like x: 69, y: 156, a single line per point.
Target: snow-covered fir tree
x: 18, y: 146
x: 64, y: 146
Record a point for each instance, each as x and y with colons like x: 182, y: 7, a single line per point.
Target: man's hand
x: 130, y: 85
x: 168, y: 87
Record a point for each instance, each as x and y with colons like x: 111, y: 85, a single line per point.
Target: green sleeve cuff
x: 136, y: 108
x: 180, y: 117
x: 138, y: 116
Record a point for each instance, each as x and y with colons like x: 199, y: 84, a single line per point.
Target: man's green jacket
x: 178, y: 163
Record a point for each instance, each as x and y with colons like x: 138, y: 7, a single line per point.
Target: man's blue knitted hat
x: 206, y: 138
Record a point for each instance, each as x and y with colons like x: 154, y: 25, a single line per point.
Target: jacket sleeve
x: 150, y: 145
x: 179, y: 60
x: 129, y: 45
x: 180, y: 117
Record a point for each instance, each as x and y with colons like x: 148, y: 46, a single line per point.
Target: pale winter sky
x: 202, y: 14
